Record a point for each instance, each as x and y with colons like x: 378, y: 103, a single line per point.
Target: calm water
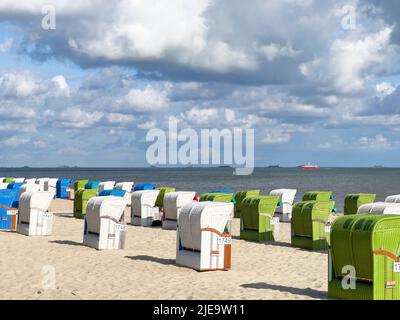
x: 382, y: 181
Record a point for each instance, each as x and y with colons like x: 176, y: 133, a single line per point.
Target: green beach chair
x: 257, y: 222
x: 240, y: 196
x: 8, y: 180
x: 217, y: 197
x: 320, y: 196
x: 79, y: 184
x: 81, y: 199
x: 371, y: 245
x: 161, y: 194
x: 354, y: 201
x: 309, y: 219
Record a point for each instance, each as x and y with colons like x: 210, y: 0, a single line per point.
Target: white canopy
x: 106, y: 185
x: 143, y: 198
x: 18, y: 180
x: 175, y: 200
x: 103, y: 207
x: 126, y: 186
x: 199, y: 215
x: 380, y: 208
x: 393, y: 199
x: 30, y: 188
x: 34, y: 200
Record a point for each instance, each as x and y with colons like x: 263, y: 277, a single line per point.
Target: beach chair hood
x: 34, y: 200
x: 380, y: 208
x: 393, y: 199
x: 126, y: 186
x: 173, y: 201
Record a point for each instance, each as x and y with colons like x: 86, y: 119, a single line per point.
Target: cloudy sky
x: 316, y: 85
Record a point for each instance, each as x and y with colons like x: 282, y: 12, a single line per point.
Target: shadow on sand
x: 67, y: 242
x: 153, y: 259
x: 298, y: 291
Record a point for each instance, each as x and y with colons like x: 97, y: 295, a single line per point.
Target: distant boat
x: 310, y: 167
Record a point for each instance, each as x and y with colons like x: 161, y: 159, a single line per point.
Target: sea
x: 341, y: 181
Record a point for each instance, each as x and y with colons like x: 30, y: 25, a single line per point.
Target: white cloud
x: 60, y: 86
x: 16, y: 141
x: 201, y: 116
x: 6, y: 45
x: 374, y: 144
x: 273, y: 51
x: 20, y: 85
x: 385, y: 89
x: 147, y: 100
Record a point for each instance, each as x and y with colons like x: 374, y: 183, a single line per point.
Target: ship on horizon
x: 310, y: 167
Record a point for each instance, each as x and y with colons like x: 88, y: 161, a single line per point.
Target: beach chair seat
x: 202, y: 243
x: 106, y: 185
x: 8, y: 213
x: 380, y: 208
x: 34, y: 218
x: 143, y: 208
x: 104, y: 225
x: 161, y: 195
x: 173, y: 203
x: 286, y: 199
x: 370, y: 244
x: 240, y: 196
x: 257, y: 219
x: 309, y: 224
x: 393, y: 199
x: 353, y: 202
x: 62, y: 188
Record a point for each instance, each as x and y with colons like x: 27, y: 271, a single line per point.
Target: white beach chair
x: 104, y: 226
x: 143, y: 209
x: 34, y: 220
x: 18, y: 180
x: 126, y: 186
x: 284, y: 212
x: 106, y: 185
x: 380, y: 208
x: 30, y: 188
x: 30, y: 181
x: 3, y: 185
x: 201, y: 241
x: 173, y: 202
x: 393, y: 199
x: 51, y: 185
x: 41, y: 182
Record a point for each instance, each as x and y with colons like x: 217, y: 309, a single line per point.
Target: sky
x: 318, y: 81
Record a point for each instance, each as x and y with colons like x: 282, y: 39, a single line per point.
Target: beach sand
x: 146, y: 268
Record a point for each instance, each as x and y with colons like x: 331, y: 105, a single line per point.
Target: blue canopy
x: 144, y: 186
x: 229, y: 191
x: 115, y: 193
x: 62, y: 185
x: 14, y: 186
x: 9, y: 198
x: 92, y: 185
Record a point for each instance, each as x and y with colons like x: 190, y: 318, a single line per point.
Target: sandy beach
x: 146, y: 269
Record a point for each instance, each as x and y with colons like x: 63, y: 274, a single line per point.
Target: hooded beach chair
x: 114, y: 193
x: 3, y: 185
x: 161, y: 195
x: 393, y: 199
x: 144, y: 186
x: 30, y: 181
x: 8, y: 210
x: 320, y: 196
x: 41, y: 182
x: 82, y: 197
x: 8, y: 180
x: 309, y: 226
x: 217, y: 197
x: 353, y: 202
x: 173, y: 203
x: 257, y: 219
x: 34, y: 218
x: 106, y: 185
x: 18, y: 180
x: 240, y: 196
x: 104, y: 226
x: 143, y: 208
x: 80, y: 184
x: 380, y: 208
x: 202, y: 241
x: 285, y: 207
x: 370, y: 244
x: 51, y: 185
x: 128, y: 187
x: 62, y: 188
x: 29, y: 188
